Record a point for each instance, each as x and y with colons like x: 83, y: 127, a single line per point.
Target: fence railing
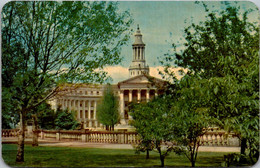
x: 213, y: 137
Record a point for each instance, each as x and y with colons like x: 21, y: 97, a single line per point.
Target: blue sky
x: 161, y: 24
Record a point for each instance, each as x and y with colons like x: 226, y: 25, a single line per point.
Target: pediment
x: 141, y: 79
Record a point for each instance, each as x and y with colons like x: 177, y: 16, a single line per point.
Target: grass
x: 93, y: 157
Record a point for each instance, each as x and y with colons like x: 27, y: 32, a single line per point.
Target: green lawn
x: 93, y: 157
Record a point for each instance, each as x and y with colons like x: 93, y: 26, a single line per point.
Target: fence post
x: 42, y: 134
x: 58, y: 135
x: 83, y: 136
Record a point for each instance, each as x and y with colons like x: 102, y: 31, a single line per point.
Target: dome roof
x: 138, y: 37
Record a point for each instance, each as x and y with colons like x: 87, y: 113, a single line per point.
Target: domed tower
x: 138, y: 65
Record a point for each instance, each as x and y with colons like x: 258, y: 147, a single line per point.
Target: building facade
x: 140, y: 87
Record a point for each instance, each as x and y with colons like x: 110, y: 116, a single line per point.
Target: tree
x: 107, y: 110
x: 46, y: 44
x: 189, y: 114
x: 153, y: 125
x: 66, y: 120
x: 223, y: 50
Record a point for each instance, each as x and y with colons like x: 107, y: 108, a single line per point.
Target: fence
x: 213, y: 137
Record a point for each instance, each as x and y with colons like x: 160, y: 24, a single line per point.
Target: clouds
x: 120, y: 73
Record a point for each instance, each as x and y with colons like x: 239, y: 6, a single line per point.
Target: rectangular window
x: 81, y: 114
x: 91, y: 114
x: 86, y: 113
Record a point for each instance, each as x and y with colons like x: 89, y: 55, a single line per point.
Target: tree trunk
x: 147, y: 154
x: 35, y: 131
x: 162, y: 160
x: 161, y: 156
x: 193, y: 163
x: 21, y: 137
x: 243, y: 146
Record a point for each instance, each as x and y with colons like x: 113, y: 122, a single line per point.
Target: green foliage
x: 222, y: 55
x: 107, y: 109
x: 46, y: 116
x: 66, y: 120
x: 153, y: 124
x: 46, y: 44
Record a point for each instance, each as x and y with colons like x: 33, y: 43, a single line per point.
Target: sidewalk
x: 51, y: 142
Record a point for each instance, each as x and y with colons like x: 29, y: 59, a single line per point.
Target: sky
x: 161, y: 24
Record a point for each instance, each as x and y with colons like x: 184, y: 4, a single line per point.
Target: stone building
x: 140, y: 87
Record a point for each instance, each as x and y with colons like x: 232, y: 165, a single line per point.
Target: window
x: 80, y: 114
x: 86, y: 113
x: 97, y: 92
x: 86, y: 92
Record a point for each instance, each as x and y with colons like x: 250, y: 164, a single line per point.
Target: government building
x: 139, y: 87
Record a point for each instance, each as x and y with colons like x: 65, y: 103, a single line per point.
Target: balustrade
x: 213, y: 137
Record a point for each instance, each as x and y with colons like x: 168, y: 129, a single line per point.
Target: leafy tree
x: 107, y: 110
x: 66, y: 120
x: 46, y: 44
x: 189, y: 114
x: 223, y: 50
x: 46, y: 116
x: 153, y: 125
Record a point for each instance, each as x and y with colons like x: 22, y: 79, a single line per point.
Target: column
x: 74, y: 104
x: 147, y: 95
x: 130, y: 95
x: 95, y: 109
x: 69, y: 106
x: 135, y: 53
x: 138, y: 95
x: 83, y: 113
x: 79, y: 108
x: 122, y: 104
x: 142, y: 56
x: 63, y: 104
x: 89, y: 109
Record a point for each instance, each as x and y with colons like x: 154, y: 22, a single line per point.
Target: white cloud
x: 119, y: 73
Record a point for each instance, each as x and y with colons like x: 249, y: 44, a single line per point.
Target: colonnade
x: 134, y: 95
x: 138, y: 53
x: 86, y: 110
